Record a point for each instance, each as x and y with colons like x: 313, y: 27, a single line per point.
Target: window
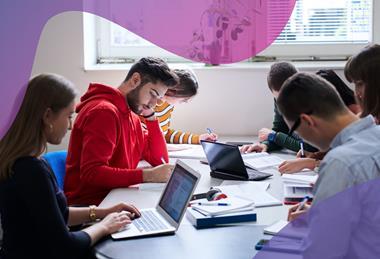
x: 326, y: 21
x: 317, y: 29
x: 323, y: 28
x: 118, y: 45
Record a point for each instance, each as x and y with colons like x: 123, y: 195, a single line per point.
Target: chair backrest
x: 57, y: 161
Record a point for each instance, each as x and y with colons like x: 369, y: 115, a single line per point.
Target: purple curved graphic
x: 210, y: 31
x: 346, y: 225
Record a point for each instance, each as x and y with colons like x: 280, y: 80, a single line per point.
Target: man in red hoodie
x: 107, y: 140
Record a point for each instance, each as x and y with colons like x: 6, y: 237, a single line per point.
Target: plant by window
x: 224, y: 21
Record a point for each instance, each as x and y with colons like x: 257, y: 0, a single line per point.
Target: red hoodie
x: 106, y: 144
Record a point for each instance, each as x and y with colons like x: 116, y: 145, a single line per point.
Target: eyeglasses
x: 297, y: 124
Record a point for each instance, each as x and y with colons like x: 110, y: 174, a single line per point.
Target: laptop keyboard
x: 148, y: 222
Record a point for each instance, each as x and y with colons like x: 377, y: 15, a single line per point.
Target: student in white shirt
x: 345, y: 208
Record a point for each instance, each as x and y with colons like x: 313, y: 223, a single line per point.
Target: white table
x: 149, y: 198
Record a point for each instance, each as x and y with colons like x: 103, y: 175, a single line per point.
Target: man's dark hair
x: 279, y: 72
x: 187, y: 86
x: 309, y: 94
x: 346, y: 93
x: 153, y: 70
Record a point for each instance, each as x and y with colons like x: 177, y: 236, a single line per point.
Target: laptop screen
x: 224, y: 158
x: 177, y: 192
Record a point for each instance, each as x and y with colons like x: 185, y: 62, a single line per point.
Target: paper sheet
x: 276, y: 227
x: 263, y: 185
x: 191, y: 152
x: 251, y: 191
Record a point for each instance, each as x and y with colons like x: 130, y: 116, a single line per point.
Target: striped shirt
x: 163, y: 112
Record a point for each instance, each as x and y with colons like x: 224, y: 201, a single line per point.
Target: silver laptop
x: 166, y: 217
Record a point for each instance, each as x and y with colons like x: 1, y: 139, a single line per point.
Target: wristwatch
x: 92, y: 214
x: 272, y: 136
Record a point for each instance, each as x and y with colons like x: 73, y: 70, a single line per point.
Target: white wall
x: 231, y: 101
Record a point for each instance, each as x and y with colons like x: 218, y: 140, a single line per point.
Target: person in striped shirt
x: 182, y: 93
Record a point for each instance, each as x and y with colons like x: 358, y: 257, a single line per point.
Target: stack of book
x: 203, y: 213
x: 298, y: 185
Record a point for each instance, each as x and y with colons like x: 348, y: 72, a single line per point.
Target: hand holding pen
x: 301, y: 205
x: 298, y: 209
x: 302, y: 150
x: 158, y: 174
x: 209, y: 136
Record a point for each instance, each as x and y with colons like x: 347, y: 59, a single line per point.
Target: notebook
x: 262, y: 160
x: 298, y: 185
x: 249, y: 190
x: 166, y: 217
x: 253, y: 185
x: 178, y: 147
x: 226, y: 163
x: 300, y: 179
x: 296, y: 194
x: 276, y: 227
x: 186, y: 151
x: 235, y: 204
x: 200, y: 220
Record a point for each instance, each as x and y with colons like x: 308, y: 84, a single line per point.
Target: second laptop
x: 227, y: 163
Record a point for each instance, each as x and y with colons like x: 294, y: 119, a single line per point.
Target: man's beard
x: 133, y: 100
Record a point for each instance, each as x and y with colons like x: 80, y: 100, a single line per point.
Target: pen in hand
x: 302, y: 150
x: 163, y: 160
x: 302, y: 204
x: 210, y: 136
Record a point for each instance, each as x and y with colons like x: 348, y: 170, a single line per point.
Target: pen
x: 302, y: 204
x: 302, y: 151
x: 209, y: 131
x: 163, y: 160
x: 213, y: 204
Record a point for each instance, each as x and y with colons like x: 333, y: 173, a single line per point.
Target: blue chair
x: 57, y: 161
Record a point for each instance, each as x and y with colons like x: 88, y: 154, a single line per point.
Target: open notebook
x: 186, y: 151
x: 262, y: 160
x: 249, y: 190
x: 235, y: 204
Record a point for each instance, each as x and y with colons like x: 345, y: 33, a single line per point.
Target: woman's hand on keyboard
x: 133, y: 212
x: 115, y: 221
